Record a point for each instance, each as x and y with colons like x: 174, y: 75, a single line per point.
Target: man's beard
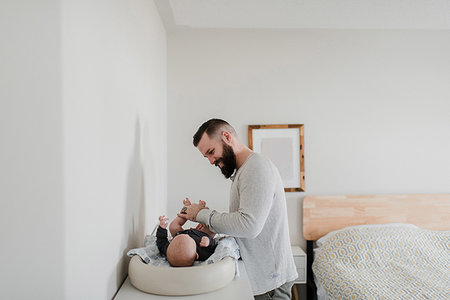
x: 228, y: 160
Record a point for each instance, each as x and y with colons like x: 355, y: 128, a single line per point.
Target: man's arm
x: 256, y: 192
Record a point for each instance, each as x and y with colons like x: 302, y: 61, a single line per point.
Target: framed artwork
x: 284, y: 146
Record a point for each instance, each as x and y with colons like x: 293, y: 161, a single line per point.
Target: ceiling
x: 301, y: 14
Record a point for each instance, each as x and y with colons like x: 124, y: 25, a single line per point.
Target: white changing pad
x: 150, y: 272
x: 180, y: 281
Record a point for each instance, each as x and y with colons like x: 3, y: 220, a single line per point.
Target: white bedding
x: 383, y: 262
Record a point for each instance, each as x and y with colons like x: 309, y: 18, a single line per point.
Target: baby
x: 187, y: 245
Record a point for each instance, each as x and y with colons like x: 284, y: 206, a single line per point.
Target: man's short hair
x: 211, y: 127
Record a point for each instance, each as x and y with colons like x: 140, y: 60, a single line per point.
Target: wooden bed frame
x: 323, y: 214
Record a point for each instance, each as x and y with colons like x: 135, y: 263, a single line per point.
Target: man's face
x: 219, y: 154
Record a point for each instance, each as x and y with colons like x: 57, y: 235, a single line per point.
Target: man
x: 257, y: 215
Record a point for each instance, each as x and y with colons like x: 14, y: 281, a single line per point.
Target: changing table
x: 238, y: 289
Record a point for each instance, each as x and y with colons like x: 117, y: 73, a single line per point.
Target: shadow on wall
x: 134, y: 224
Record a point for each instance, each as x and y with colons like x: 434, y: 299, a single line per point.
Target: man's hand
x: 204, y: 241
x: 190, y: 210
x: 186, y: 203
x: 163, y: 221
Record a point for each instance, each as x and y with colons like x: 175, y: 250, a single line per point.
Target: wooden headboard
x: 322, y: 214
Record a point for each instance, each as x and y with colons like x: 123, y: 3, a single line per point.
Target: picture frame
x: 284, y: 145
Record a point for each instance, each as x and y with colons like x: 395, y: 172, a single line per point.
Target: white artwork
x: 283, y: 147
x: 280, y: 152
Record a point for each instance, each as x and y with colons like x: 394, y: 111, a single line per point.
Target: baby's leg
x: 176, y: 225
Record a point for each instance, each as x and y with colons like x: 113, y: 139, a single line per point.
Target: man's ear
x: 227, y: 137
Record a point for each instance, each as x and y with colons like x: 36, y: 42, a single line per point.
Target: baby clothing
x: 203, y: 252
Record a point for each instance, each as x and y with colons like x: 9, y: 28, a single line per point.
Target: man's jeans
x: 281, y: 293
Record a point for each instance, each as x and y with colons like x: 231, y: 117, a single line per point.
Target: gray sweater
x: 257, y: 218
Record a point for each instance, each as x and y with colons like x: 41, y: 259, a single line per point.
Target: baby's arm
x: 161, y: 236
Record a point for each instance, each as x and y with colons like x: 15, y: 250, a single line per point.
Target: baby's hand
x: 163, y: 221
x: 204, y: 242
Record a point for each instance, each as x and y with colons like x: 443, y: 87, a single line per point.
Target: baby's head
x: 182, y: 251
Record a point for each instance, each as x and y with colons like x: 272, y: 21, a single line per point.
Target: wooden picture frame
x: 284, y: 145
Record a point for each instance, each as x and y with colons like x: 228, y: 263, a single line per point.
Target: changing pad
x: 150, y: 272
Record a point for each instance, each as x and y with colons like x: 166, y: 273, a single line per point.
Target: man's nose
x: 211, y: 160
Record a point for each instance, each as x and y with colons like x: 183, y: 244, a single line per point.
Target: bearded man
x: 257, y: 215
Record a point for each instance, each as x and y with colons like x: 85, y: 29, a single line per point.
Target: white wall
x: 375, y: 104
x: 114, y: 70
x: 31, y: 190
x: 83, y: 143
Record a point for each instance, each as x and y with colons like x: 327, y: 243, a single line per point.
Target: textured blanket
x: 383, y: 262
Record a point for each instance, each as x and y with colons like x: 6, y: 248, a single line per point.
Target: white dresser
x: 300, y: 262
x: 299, y: 288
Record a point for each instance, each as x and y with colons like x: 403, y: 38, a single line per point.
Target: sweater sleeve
x: 256, y: 192
x: 161, y: 240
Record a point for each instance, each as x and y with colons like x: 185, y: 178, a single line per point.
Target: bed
x: 378, y: 246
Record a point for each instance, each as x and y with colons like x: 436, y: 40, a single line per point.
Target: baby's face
x: 182, y: 251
